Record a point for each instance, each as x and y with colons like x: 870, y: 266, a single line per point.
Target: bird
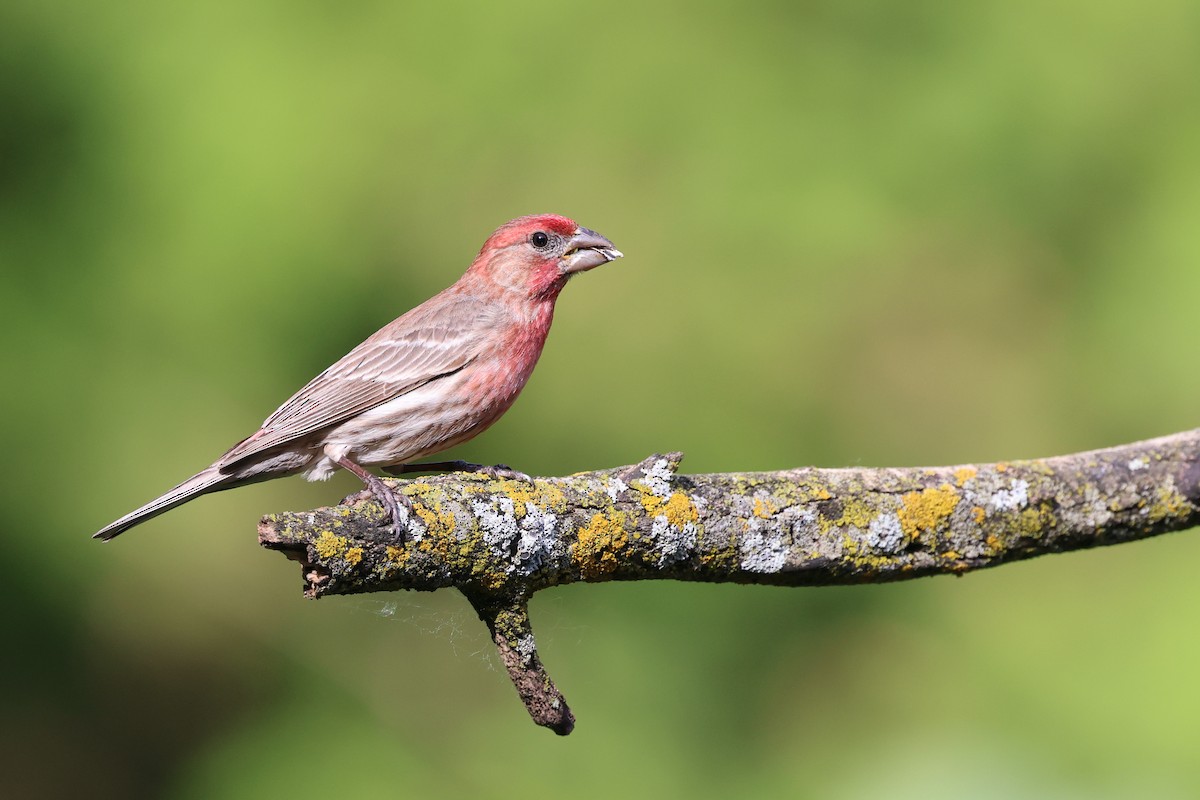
x: 433, y: 378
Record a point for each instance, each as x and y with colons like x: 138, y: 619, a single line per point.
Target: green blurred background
x: 856, y: 233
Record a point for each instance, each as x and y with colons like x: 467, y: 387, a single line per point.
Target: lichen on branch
x: 499, y: 541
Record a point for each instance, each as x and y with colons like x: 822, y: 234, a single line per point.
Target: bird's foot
x: 494, y: 472
x: 390, y: 500
x: 498, y: 471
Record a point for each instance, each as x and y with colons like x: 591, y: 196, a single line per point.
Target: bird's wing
x: 429, y: 342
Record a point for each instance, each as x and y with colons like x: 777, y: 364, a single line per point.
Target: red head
x: 535, y: 255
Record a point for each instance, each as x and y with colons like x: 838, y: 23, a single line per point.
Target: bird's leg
x: 494, y: 472
x: 389, y: 499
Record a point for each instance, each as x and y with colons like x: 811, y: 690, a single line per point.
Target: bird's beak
x: 587, y: 249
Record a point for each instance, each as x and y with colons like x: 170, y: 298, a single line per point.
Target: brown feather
x: 436, y: 339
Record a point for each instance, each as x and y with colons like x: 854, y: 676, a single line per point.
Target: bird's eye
x: 539, y: 240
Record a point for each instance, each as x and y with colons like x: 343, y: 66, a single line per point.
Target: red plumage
x: 430, y: 379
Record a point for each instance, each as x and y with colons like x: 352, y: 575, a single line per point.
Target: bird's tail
x: 209, y: 480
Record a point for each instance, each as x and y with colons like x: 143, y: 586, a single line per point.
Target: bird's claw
x: 386, y: 497
x: 392, y: 502
x: 502, y: 471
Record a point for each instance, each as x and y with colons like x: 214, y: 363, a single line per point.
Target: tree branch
x: 499, y: 541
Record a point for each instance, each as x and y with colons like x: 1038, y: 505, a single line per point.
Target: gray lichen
x: 501, y: 541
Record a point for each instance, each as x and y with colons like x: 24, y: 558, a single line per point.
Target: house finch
x: 431, y: 379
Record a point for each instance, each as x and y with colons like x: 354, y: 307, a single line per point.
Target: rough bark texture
x: 499, y: 541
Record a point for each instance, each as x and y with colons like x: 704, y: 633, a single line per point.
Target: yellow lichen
x: 964, y: 474
x: 805, y: 490
x: 329, y: 545
x: 922, y: 512
x: 978, y: 514
x: 724, y: 557
x: 1167, y: 503
x: 857, y: 514
x: 542, y: 494
x: 354, y: 555
x: 1034, y: 522
x: 598, y: 543
x: 865, y: 557
x: 678, y: 508
x: 763, y: 509
x: 437, y: 522
x: 396, y: 556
